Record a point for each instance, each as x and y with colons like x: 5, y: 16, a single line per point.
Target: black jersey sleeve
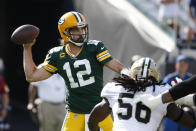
x: 184, y: 88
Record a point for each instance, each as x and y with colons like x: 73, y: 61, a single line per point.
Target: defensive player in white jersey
x: 119, y: 97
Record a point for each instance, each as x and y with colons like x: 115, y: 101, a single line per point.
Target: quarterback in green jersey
x: 80, y: 62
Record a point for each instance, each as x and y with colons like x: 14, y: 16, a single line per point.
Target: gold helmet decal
x: 72, y: 20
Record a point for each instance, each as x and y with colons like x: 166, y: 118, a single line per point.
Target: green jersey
x: 83, y: 74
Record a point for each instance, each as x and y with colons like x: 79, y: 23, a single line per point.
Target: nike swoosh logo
x: 102, y: 48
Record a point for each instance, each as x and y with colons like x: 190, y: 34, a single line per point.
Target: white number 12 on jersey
x: 79, y: 74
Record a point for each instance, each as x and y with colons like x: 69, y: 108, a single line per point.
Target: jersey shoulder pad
x: 54, y: 52
x: 56, y: 49
x: 93, y: 42
x: 109, y: 90
x: 92, y: 45
x: 161, y: 88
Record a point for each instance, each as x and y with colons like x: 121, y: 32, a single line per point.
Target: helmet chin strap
x: 75, y: 43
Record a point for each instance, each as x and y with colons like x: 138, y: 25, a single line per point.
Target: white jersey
x: 52, y: 89
x: 133, y: 116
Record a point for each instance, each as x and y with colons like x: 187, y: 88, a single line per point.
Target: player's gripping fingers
x: 27, y: 45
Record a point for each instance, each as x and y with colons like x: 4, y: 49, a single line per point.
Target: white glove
x: 149, y: 100
x: 125, y: 71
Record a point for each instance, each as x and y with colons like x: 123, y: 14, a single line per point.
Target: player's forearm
x: 93, y: 126
x: 94, y: 118
x: 166, y: 97
x: 115, y: 65
x: 28, y: 64
x: 98, y: 114
x: 118, y: 67
x: 92, y: 122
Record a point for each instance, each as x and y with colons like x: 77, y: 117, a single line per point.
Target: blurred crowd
x: 180, y: 15
x: 4, y: 101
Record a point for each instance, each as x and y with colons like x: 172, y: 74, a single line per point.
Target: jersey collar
x: 68, y: 50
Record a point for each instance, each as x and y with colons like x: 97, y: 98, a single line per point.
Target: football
x: 25, y: 34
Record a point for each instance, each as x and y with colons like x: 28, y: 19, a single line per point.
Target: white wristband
x: 125, y: 71
x: 155, y: 101
x: 187, y: 100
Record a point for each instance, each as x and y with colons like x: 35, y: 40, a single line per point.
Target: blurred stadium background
x: 127, y: 27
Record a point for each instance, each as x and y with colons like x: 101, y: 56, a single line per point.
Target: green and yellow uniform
x: 83, y: 74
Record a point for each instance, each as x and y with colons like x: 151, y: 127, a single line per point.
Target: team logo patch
x: 61, y: 21
x: 62, y: 55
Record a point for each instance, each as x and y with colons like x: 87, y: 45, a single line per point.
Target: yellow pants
x: 76, y: 122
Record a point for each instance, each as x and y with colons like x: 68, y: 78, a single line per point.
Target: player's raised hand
x: 149, y: 100
x: 27, y: 45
